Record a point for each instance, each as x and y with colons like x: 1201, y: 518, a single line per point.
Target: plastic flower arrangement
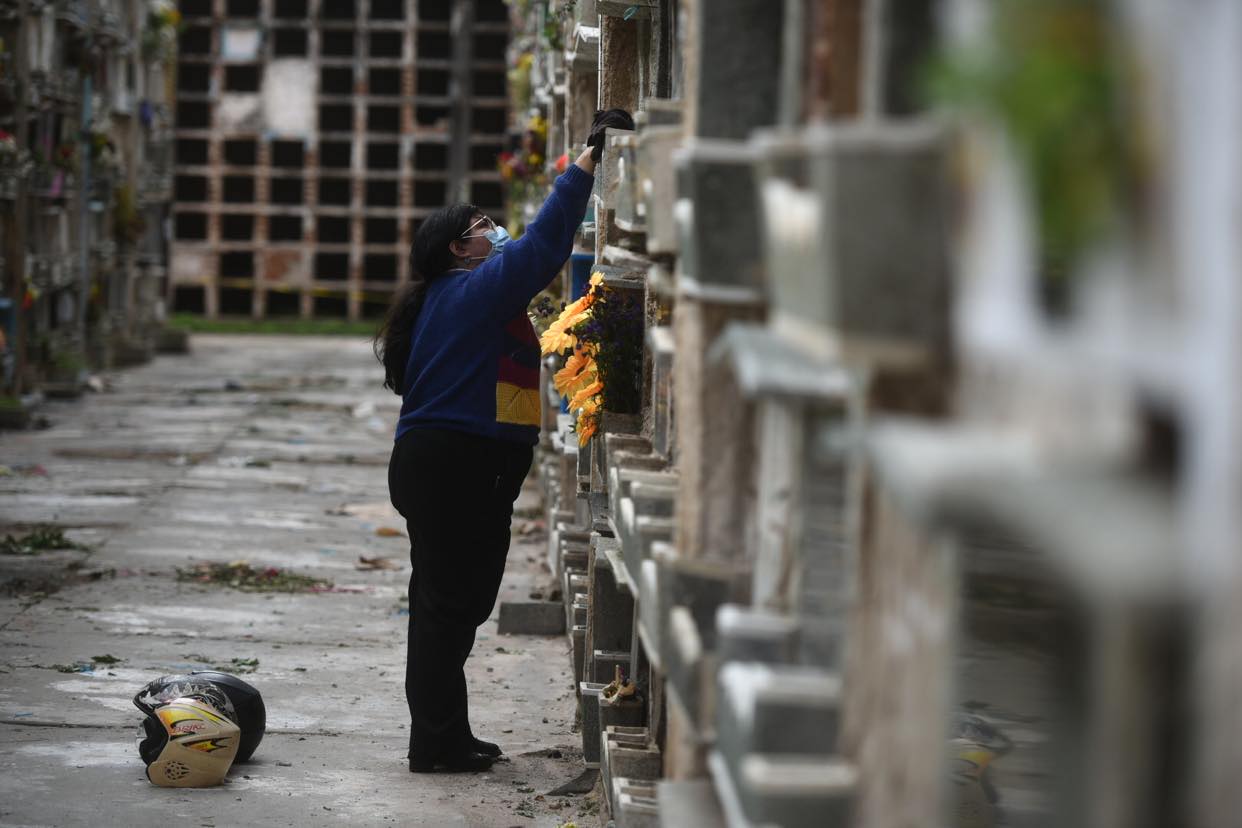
x: 159, y: 40
x: 601, y: 335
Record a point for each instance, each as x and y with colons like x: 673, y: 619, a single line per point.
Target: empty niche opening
x: 195, y: 40
x: 381, y: 193
x: 429, y: 193
x: 238, y: 189
x: 190, y: 188
x: 190, y: 226
x: 491, y: 11
x: 286, y: 189
x: 284, y: 228
x: 384, y: 82
x: 383, y: 156
x: 236, y: 301
x: 288, y: 154
x: 490, y: 46
x: 334, y: 191
x: 375, y: 308
x: 434, y: 46
x: 431, y: 156
x: 335, y: 154
x: 336, y: 80
x: 387, y: 9
x: 431, y: 116
x: 379, y: 267
x: 490, y: 121
x: 283, y: 303
x: 193, y: 115
x: 489, y: 84
x: 189, y: 299
x: 191, y: 151
x: 242, y: 8
x: 331, y: 306
x: 195, y: 8
x: 337, y: 42
x: 338, y: 10
x: 336, y: 117
x: 242, y: 78
x: 383, y: 119
x: 332, y: 229
x: 290, y: 9
x: 242, y: 152
x: 237, y: 264
x: 434, y: 9
x: 289, y: 43
x: 386, y: 44
x: 483, y: 156
x: 332, y: 266
x: 237, y: 227
x: 487, y: 194
x: 381, y: 231
x: 432, y: 82
x: 194, y: 77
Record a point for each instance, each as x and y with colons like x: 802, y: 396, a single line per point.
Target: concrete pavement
x: 271, y: 450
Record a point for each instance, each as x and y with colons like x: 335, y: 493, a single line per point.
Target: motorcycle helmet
x: 237, y: 700
x: 189, y: 744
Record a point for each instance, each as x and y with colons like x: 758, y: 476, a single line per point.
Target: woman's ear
x: 458, y: 249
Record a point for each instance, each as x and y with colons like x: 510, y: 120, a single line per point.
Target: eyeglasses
x: 487, y: 223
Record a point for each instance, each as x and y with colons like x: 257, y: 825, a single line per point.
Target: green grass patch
x: 290, y: 326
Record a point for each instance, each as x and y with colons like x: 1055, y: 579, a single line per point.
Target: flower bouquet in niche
x: 601, y: 336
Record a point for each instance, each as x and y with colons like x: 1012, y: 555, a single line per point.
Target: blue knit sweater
x: 474, y: 356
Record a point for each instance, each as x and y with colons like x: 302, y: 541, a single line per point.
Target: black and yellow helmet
x: 235, y: 699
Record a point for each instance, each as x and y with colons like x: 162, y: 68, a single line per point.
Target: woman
x: 459, y: 348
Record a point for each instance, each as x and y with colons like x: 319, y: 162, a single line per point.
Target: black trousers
x: 456, y: 493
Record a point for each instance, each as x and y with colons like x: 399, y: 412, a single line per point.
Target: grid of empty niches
x: 272, y: 219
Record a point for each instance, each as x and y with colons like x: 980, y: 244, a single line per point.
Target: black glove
x: 615, y: 118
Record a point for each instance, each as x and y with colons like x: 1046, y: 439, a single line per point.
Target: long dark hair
x: 430, y: 258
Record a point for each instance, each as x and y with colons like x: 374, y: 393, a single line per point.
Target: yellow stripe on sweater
x: 516, y: 405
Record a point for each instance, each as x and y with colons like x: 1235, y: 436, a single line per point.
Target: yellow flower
x: 578, y: 372
x: 588, y: 424
x: 554, y: 341
x: 557, y: 338
x: 580, y: 399
x: 597, y: 279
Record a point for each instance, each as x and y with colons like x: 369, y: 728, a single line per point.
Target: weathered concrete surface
x: 271, y: 450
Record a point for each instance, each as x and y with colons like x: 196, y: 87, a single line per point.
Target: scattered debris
x: 366, y: 563
x: 389, y: 532
x: 76, y: 667
x: 233, y: 665
x: 107, y: 658
x: 38, y: 539
x: 241, y: 575
x: 27, y: 469
x: 258, y: 464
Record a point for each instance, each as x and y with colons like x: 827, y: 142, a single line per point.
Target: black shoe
x: 487, y: 748
x: 472, y: 762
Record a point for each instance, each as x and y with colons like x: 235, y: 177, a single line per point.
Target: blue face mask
x: 498, y: 237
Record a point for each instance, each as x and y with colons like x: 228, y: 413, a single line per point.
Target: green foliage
x: 1057, y: 79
